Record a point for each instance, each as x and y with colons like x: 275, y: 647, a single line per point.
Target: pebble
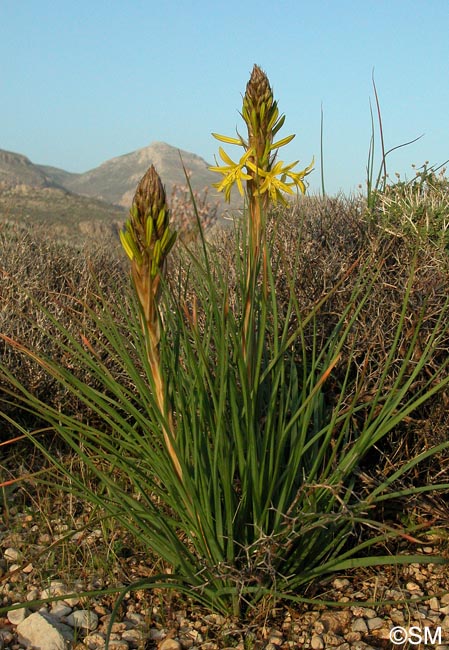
x: 95, y: 640
x: 375, y: 623
x: 59, y: 609
x: 84, y: 619
x: 359, y: 625
x: 11, y: 554
x: 44, y: 632
x: 16, y: 616
x: 356, y: 627
x: 170, y: 644
x: 317, y: 642
x: 33, y: 594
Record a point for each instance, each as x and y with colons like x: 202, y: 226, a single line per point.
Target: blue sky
x: 82, y: 82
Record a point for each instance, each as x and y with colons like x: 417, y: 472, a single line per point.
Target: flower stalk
x: 147, y: 240
x: 266, y: 181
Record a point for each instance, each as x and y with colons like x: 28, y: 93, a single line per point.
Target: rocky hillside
x: 17, y: 170
x: 115, y: 180
x: 95, y: 202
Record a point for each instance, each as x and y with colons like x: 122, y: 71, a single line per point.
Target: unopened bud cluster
x: 147, y: 237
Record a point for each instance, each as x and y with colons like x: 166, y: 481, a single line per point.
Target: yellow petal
x: 227, y: 139
x: 224, y: 156
x: 281, y: 143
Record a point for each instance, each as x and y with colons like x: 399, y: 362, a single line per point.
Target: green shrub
x: 418, y: 208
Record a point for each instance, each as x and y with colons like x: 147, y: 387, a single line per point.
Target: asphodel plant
x: 267, y: 180
x: 147, y: 240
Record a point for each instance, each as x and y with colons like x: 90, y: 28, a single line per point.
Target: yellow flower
x: 232, y: 172
x: 297, y: 177
x: 274, y: 181
x: 270, y: 183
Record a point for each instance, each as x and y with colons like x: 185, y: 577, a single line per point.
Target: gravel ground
x: 391, y: 602
x: 150, y: 620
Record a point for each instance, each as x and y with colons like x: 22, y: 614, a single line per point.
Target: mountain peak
x: 116, y: 179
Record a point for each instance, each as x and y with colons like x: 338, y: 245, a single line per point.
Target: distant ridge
x: 116, y: 179
x: 95, y: 201
x: 18, y: 170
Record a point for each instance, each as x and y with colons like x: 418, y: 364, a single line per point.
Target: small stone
x: 5, y: 638
x: 170, y: 644
x: 397, y: 616
x: 102, y: 611
x: 445, y: 599
x: 59, y: 609
x: 84, y: 619
x: 118, y: 628
x: 412, y: 586
x: 156, y: 635
x: 276, y: 637
x: 317, y: 642
x: 375, y: 623
x: 135, y: 618
x: 11, y: 554
x: 95, y: 640
x: 32, y: 595
x: 332, y: 639
x: 28, y: 568
x: 133, y: 636
x: 444, y: 610
x: 56, y: 588
x: 215, y: 619
x: 44, y: 632
x: 359, y: 625
x: 16, y: 616
x: 340, y: 583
